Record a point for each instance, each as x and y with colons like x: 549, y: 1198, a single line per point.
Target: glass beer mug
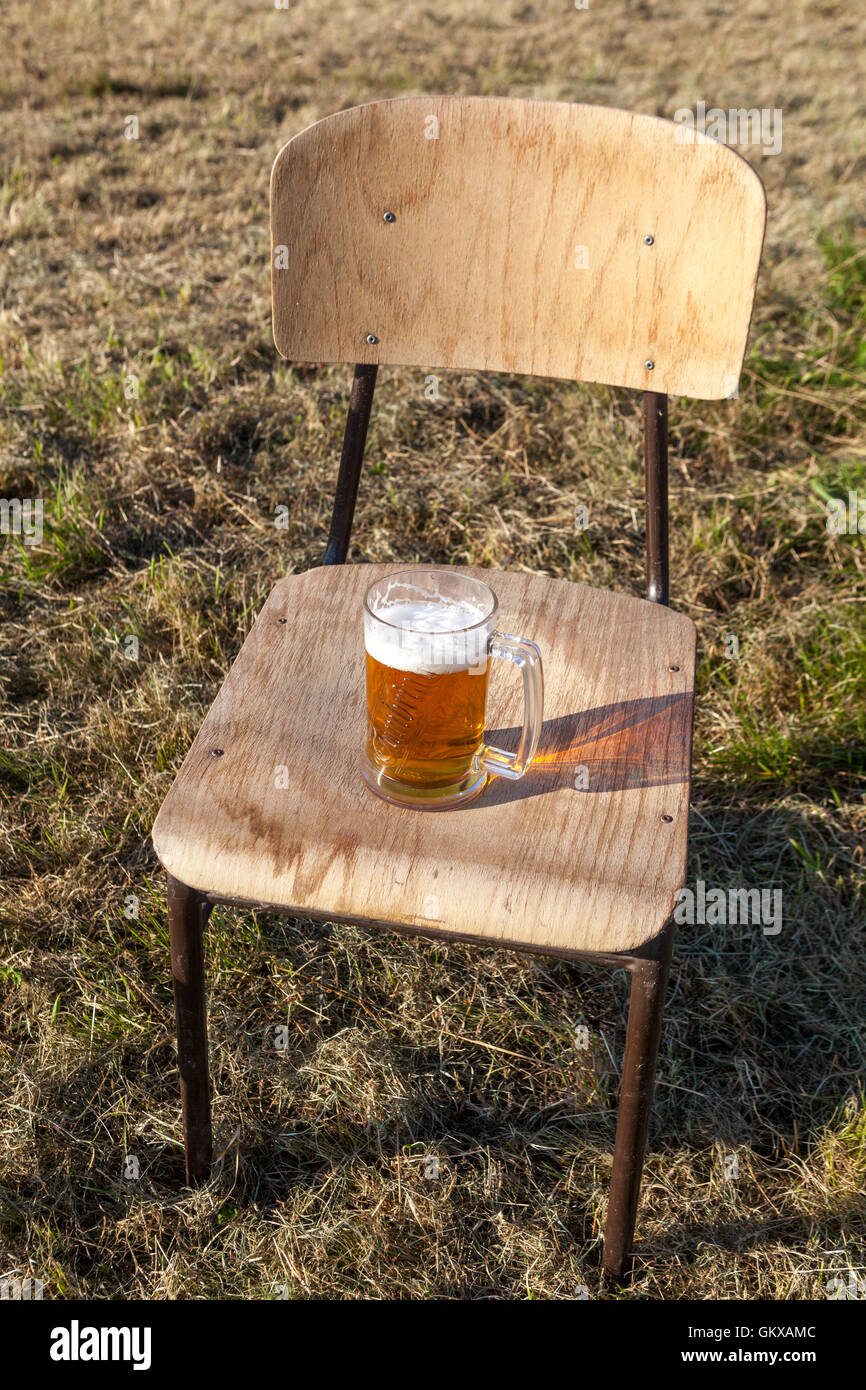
x: 429, y: 635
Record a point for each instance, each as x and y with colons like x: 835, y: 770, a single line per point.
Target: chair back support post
x: 354, y: 442
x: 655, y: 406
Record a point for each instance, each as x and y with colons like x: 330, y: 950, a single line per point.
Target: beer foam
x: 421, y: 637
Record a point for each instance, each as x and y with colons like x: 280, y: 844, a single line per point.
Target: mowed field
x: 147, y: 258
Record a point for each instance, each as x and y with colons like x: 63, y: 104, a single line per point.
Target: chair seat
x: 584, y: 854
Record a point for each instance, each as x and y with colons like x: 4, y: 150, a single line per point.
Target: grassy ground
x: 148, y: 258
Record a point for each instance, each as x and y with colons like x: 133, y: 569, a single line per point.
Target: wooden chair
x: 511, y: 236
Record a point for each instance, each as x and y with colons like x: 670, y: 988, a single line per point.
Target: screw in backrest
x: 217, y: 752
x: 649, y: 364
x: 371, y: 339
x: 389, y: 217
x: 648, y: 239
x: 667, y: 818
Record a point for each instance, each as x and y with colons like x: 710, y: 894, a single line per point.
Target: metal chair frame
x: 649, y: 966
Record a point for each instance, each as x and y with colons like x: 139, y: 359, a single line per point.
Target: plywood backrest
x: 519, y: 236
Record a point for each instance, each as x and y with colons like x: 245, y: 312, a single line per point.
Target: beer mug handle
x: 526, y: 655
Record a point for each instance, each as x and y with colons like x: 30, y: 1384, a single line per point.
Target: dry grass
x: 149, y: 258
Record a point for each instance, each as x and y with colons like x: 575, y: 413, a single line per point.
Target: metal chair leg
x: 646, y: 1006
x: 187, y: 914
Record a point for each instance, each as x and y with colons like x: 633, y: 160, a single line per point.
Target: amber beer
x: 424, y: 728
x: 428, y: 635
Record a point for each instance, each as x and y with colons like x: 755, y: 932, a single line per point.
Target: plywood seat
x: 586, y: 853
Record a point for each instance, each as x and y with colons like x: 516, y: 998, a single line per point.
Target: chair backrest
x: 497, y: 234
x: 518, y: 236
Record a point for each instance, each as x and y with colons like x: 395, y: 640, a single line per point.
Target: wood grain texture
x: 535, y: 862
x: 478, y: 268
